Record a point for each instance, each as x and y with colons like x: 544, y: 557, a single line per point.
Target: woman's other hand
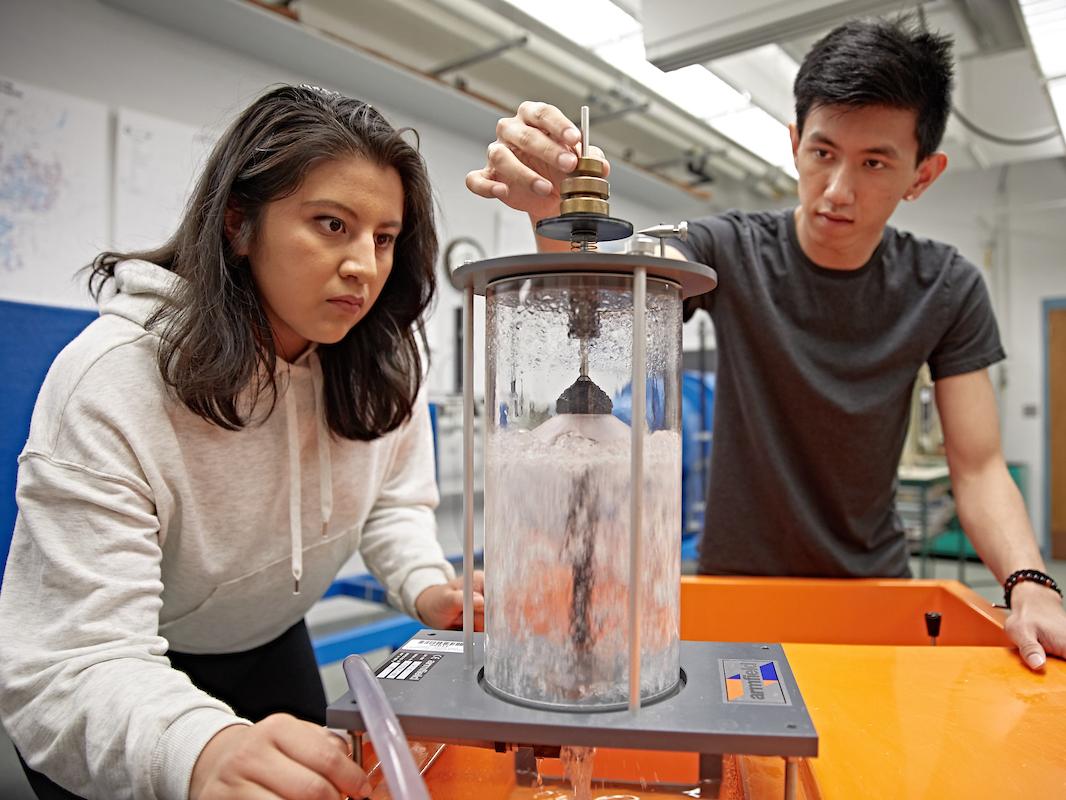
x: 279, y: 757
x: 441, y: 606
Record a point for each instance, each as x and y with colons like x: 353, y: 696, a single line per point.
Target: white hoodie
x: 142, y: 527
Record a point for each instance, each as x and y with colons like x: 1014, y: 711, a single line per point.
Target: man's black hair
x: 881, y: 63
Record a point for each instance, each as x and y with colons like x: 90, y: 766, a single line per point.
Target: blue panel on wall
x: 30, y: 338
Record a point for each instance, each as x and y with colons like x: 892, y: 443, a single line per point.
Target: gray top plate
x: 448, y: 703
x: 693, y: 278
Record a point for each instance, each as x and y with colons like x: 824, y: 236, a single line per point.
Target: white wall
x: 1011, y: 222
x: 86, y: 49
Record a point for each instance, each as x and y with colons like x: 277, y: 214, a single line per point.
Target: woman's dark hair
x: 216, y: 350
x: 879, y: 63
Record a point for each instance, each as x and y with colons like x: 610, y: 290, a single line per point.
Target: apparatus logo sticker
x: 405, y: 666
x: 747, y: 681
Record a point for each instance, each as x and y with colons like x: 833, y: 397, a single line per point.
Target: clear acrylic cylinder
x: 557, y: 490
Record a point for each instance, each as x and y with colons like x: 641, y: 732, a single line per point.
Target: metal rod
x: 621, y: 111
x: 711, y: 770
x: 791, y: 778
x: 468, y: 475
x: 478, y: 57
x: 458, y: 350
x: 704, y: 421
x: 356, y: 741
x: 584, y: 131
x: 667, y: 162
x: 636, y: 479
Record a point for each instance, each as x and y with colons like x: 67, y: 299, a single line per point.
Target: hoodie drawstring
x: 295, y: 499
x: 325, y: 466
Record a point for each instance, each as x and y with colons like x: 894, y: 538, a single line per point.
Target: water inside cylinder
x: 557, y: 490
x: 557, y: 569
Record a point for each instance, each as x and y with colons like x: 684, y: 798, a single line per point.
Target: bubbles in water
x: 557, y: 567
x: 532, y: 356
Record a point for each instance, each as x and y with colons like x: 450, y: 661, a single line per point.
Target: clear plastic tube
x: 390, y: 745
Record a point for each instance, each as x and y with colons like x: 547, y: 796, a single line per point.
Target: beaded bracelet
x: 1034, y: 575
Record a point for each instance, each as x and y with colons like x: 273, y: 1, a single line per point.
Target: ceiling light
x: 1057, y: 89
x: 1046, y: 23
x: 589, y: 23
x: 618, y: 38
x: 760, y: 133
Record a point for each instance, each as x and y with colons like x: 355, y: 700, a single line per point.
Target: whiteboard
x: 157, y: 162
x: 54, y: 193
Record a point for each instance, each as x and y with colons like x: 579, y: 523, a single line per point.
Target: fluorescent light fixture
x: 617, y: 37
x: 769, y: 63
x: 1057, y: 89
x: 760, y: 133
x: 589, y: 23
x: 1046, y: 23
x: 695, y: 89
x: 784, y: 67
x: 702, y: 93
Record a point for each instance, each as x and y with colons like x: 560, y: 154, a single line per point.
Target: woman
x: 244, y: 415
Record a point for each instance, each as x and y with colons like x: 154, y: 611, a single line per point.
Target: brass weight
x: 586, y: 190
x: 584, y: 213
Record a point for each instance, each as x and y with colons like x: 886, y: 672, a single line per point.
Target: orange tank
x: 896, y: 717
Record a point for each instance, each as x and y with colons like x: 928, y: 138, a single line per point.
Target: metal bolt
x: 664, y: 230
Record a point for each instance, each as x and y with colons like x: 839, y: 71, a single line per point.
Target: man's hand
x: 1037, y: 623
x: 441, y: 606
x: 533, y: 152
x: 280, y: 757
x: 993, y: 513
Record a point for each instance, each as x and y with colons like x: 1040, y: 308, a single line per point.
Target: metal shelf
x: 271, y: 37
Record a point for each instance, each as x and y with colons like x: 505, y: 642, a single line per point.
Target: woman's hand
x: 280, y: 757
x: 441, y: 606
x: 533, y: 152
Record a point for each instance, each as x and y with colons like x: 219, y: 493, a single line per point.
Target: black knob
x: 932, y: 624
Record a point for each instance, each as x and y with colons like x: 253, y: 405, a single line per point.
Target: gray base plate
x: 446, y: 702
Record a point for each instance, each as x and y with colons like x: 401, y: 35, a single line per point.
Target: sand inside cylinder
x: 557, y: 520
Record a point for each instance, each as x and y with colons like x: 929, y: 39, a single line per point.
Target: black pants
x: 280, y: 676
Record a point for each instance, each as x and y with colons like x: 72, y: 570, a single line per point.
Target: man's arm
x: 993, y: 514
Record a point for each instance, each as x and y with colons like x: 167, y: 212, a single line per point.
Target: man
x: 824, y: 316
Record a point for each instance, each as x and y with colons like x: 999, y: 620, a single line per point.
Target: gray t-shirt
x: 815, y: 373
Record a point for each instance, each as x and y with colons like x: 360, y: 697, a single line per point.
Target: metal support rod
x: 704, y: 426
x: 468, y: 475
x: 478, y: 57
x: 584, y: 131
x: 636, y: 479
x: 662, y: 163
x: 711, y: 771
x: 356, y: 741
x: 791, y: 778
x: 621, y: 111
x: 458, y: 349
x: 685, y: 157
